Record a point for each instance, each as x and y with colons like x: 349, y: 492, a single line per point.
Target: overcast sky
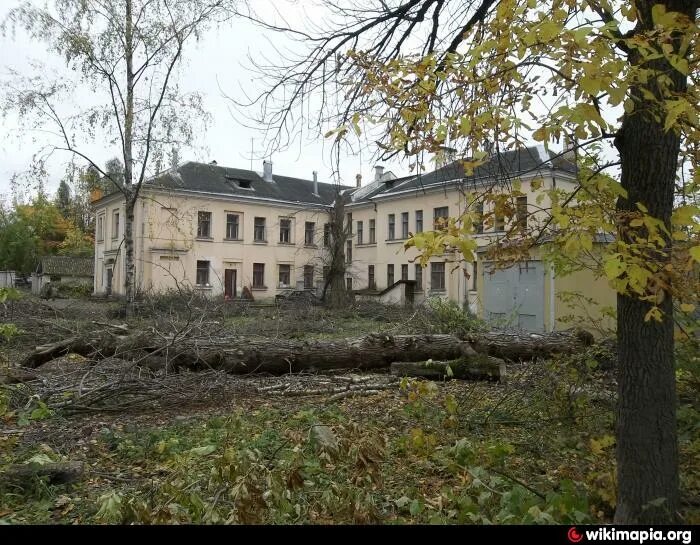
x: 217, y: 63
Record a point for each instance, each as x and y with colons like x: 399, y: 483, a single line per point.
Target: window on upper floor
x: 521, y: 212
x: 100, y: 231
x: 259, y: 230
x: 309, y: 233
x: 419, y: 221
x: 440, y: 216
x: 372, y: 232
x: 115, y: 224
x: 327, y: 235
x: 392, y: 227
x: 203, y: 224
x: 360, y: 232
x: 233, y: 226
x: 404, y: 224
x: 478, y: 224
x: 285, y: 230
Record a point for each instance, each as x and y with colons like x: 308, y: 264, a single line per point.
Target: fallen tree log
x: 54, y: 473
x: 526, y: 346
x: 465, y: 368
x: 243, y: 355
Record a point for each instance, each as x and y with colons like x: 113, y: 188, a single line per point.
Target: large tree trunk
x: 647, y: 444
x: 245, y: 355
x: 129, y: 192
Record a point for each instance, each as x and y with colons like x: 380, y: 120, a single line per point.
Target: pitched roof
x: 66, y: 265
x: 210, y: 178
x: 500, y: 167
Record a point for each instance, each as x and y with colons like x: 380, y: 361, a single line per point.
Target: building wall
x: 167, y: 247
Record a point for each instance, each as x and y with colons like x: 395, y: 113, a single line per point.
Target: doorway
x: 230, y: 283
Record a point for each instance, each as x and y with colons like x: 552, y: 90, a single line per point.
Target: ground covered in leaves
x: 207, y: 447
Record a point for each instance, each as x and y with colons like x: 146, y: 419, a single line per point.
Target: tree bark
x: 245, y: 355
x: 529, y: 346
x: 55, y: 473
x: 647, y: 443
x: 468, y: 367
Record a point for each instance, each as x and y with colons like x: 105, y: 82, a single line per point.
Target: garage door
x: 515, y: 296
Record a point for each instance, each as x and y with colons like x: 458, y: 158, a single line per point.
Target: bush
x: 447, y: 316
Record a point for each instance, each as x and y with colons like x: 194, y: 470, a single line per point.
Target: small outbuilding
x: 66, y: 270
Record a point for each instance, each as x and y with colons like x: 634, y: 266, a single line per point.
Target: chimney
x: 358, y: 180
x: 378, y: 173
x: 267, y: 171
x: 315, y: 182
x: 570, y: 147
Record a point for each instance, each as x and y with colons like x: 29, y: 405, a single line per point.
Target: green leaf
x: 203, y: 451
x: 695, y: 253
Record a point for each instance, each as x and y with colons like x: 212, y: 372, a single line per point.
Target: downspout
x: 552, y: 314
x: 552, y: 295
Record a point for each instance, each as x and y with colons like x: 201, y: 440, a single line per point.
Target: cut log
x: 465, y: 368
x: 278, y: 356
x: 526, y: 346
x: 55, y: 473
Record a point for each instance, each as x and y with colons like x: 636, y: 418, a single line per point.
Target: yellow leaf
x: 687, y: 307
x: 540, y: 134
x: 695, y: 253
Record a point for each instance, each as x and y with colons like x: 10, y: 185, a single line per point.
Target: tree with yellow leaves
x: 617, y: 78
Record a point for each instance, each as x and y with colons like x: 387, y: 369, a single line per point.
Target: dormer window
x: 244, y: 184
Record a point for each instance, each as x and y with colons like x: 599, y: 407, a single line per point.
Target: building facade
x: 217, y: 230
x: 220, y: 230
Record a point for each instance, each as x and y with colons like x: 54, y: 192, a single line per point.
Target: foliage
x: 446, y: 316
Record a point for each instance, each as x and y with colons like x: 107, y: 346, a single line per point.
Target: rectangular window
x: 348, y: 283
x: 202, y: 273
x: 308, y: 277
x: 440, y: 216
x: 474, y: 270
x: 372, y: 232
x: 203, y: 224
x: 389, y: 275
x: 309, y: 231
x: 404, y: 224
x: 232, y: 223
x: 419, y: 277
x: 360, y: 232
x: 326, y: 235
x: 404, y: 272
x: 419, y: 221
x: 499, y: 220
x: 392, y: 227
x: 285, y: 276
x: 370, y: 278
x: 521, y: 212
x: 259, y: 230
x: 478, y: 224
x: 115, y: 224
x: 100, y: 228
x: 437, y: 277
x: 348, y: 222
x: 348, y: 251
x: 285, y: 230
x: 258, y: 275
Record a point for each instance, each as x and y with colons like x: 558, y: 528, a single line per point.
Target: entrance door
x: 230, y: 283
x: 110, y: 274
x: 515, y: 296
